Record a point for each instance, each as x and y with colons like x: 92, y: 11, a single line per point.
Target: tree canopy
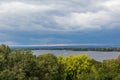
x: 23, y: 65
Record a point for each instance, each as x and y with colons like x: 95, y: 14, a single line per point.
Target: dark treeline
x: 75, y: 49
x: 23, y: 65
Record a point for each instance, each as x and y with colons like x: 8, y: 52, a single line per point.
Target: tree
x: 76, y: 65
x: 7, y: 75
x: 29, y: 65
x: 5, y: 51
x: 109, y: 70
x: 48, y: 67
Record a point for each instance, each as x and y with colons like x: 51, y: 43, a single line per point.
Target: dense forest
x: 23, y: 65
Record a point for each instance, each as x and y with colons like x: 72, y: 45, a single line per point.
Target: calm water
x: 99, y: 56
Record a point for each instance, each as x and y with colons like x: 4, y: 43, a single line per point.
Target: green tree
x: 7, y: 75
x: 76, y: 65
x: 4, y: 54
x: 48, y: 67
x: 109, y: 70
x: 5, y: 50
x: 30, y: 65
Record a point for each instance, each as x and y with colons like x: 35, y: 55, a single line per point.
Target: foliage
x: 23, y: 65
x: 76, y: 65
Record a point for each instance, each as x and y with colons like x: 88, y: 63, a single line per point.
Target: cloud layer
x: 59, y: 15
x: 56, y: 16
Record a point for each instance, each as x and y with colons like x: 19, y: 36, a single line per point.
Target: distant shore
x: 72, y: 49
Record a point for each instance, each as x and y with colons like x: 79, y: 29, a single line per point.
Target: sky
x: 34, y: 22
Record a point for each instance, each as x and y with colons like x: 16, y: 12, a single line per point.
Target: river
x: 99, y: 56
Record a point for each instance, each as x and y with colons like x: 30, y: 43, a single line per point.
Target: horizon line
x: 88, y: 44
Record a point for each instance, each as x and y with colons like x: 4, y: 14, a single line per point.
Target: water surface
x: 99, y: 56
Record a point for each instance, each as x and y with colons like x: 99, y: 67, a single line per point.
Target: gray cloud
x: 57, y: 16
x: 104, y: 18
